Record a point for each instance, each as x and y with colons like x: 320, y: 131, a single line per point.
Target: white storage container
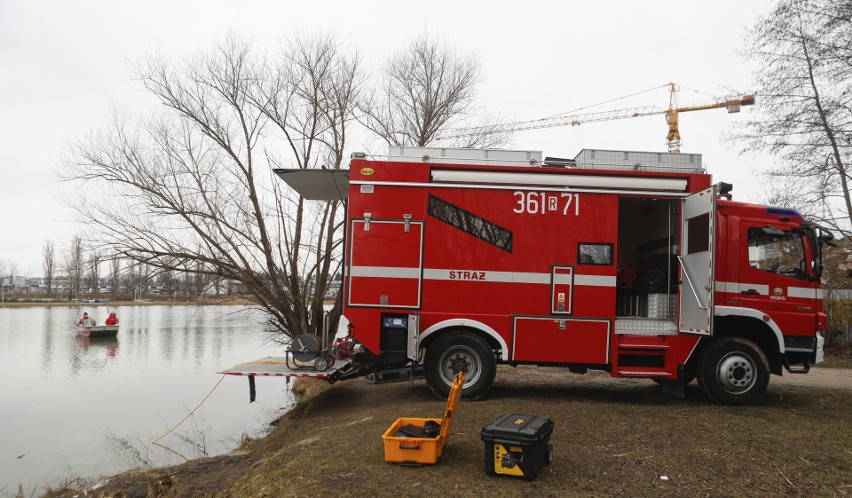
x: 639, y: 161
x: 450, y: 155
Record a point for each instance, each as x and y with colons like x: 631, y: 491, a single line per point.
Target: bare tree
x: 132, y: 279
x: 48, y: 264
x: 426, y: 88
x: 199, y: 280
x: 14, y: 282
x: 74, y: 267
x: 310, y: 98
x: 196, y: 191
x: 804, y: 80
x: 3, y: 267
x: 141, y: 278
x: 94, y: 265
x: 114, y: 278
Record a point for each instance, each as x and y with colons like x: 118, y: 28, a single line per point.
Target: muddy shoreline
x: 612, y: 436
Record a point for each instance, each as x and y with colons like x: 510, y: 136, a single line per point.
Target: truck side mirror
x: 771, y: 230
x: 828, y: 239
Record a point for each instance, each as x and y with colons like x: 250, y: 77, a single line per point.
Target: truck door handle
x: 750, y: 292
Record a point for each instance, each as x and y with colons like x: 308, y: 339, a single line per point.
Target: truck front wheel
x: 456, y: 351
x: 733, y: 371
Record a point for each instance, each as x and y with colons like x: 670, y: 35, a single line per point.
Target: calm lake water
x: 78, y: 407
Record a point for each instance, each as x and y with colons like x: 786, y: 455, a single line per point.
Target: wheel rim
x: 459, y: 358
x: 321, y: 363
x: 736, y: 373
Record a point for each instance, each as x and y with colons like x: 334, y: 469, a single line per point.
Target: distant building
x: 13, y: 283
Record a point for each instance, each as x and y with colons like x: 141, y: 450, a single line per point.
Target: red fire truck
x: 633, y: 263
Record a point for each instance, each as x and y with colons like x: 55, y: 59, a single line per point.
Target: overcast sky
x: 64, y: 63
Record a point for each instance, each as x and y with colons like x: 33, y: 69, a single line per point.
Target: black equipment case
x: 517, y: 445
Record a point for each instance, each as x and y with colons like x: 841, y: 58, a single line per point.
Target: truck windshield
x: 777, y: 252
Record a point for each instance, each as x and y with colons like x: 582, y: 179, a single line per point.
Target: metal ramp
x: 278, y: 366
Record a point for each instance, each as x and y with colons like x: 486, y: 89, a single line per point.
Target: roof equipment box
x: 422, y: 440
x: 518, y: 445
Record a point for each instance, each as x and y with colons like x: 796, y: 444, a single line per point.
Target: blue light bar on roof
x: 782, y: 211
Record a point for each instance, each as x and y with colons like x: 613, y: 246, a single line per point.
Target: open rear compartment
x: 646, y: 293
x: 646, y: 287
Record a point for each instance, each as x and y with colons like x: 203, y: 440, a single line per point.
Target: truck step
x: 644, y: 373
x: 804, y: 368
x: 643, y: 347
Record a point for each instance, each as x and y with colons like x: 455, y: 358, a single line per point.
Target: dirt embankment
x: 611, y: 437
x: 831, y: 378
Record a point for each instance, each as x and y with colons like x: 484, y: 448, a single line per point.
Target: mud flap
x: 676, y: 387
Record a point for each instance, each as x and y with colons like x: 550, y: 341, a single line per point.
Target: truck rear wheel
x: 456, y: 351
x: 733, y: 371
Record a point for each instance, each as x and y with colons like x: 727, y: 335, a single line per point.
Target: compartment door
x: 558, y: 339
x: 697, y: 247
x: 561, y: 284
x: 385, y: 263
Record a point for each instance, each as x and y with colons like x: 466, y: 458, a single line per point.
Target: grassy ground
x: 611, y: 438
x: 838, y: 357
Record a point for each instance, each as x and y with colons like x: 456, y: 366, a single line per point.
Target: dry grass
x: 838, y: 357
x: 612, y: 437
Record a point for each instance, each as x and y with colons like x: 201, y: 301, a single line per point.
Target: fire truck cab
x: 633, y: 263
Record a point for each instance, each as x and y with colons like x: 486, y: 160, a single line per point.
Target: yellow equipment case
x: 517, y: 445
x: 422, y: 440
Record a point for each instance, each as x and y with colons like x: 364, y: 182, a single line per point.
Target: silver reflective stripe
x: 594, y: 280
x: 804, y: 292
x: 384, y: 272
x: 763, y: 290
x: 580, y: 181
x: 562, y: 279
x: 737, y: 287
x: 727, y: 286
x: 481, y: 275
x: 659, y: 193
x: 488, y: 276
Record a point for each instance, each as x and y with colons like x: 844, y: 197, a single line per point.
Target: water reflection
x: 110, y: 344
x: 83, y: 406
x: 47, y: 341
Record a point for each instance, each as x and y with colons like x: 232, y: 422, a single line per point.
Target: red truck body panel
x: 546, y: 273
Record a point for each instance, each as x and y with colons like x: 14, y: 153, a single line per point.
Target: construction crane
x: 671, y: 115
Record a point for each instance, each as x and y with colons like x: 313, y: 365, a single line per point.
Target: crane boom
x: 673, y: 136
x: 730, y: 104
x: 536, y: 124
x: 671, y: 114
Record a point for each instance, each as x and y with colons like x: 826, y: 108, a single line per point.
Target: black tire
x: 456, y: 351
x: 733, y: 371
x: 323, y: 362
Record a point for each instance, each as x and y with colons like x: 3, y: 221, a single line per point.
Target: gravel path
x: 834, y: 378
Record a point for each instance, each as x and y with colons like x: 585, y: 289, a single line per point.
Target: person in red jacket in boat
x: 86, y: 321
x: 112, y: 319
